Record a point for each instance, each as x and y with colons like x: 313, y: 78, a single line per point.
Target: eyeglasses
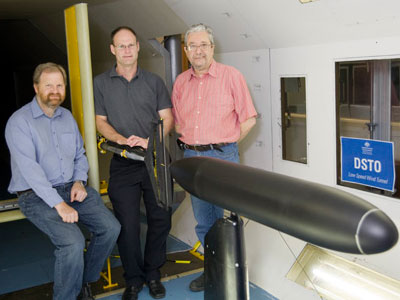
x: 123, y: 47
x: 202, y: 47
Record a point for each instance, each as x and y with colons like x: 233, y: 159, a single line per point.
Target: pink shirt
x: 209, y: 109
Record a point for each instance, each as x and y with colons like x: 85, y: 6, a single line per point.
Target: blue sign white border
x: 364, y: 184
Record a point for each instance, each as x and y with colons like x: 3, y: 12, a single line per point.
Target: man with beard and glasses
x: 49, y: 172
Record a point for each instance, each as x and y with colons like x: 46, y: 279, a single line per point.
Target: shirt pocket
x: 220, y: 104
x: 68, y: 144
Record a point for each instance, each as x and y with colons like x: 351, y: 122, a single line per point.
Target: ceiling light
x: 334, y: 277
x: 306, y: 1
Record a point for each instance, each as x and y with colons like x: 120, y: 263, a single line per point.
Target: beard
x: 52, y: 100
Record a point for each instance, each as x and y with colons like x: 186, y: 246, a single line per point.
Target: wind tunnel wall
x: 23, y: 48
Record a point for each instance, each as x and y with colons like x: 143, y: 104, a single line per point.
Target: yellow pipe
x: 80, y: 67
x: 73, y: 67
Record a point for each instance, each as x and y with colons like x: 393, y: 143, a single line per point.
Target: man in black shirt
x: 127, y: 100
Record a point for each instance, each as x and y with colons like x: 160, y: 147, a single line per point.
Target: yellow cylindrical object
x: 78, y: 44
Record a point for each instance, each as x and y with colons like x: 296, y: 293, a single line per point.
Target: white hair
x: 198, y: 28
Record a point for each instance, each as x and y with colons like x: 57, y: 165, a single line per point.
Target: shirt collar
x: 37, y: 111
x: 113, y: 72
x: 212, y: 70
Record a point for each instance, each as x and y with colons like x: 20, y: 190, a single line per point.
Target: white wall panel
x: 317, y: 63
x: 255, y: 149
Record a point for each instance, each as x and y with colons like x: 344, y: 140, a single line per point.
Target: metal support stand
x: 194, y: 251
x: 107, y: 276
x: 225, y: 266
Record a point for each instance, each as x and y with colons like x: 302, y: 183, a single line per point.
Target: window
x: 368, y: 107
x: 294, y: 130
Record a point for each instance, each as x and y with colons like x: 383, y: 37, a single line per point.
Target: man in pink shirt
x: 213, y: 111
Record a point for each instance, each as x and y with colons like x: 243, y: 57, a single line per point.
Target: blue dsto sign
x: 368, y: 162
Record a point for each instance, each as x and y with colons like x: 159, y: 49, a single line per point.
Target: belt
x: 20, y: 193
x: 201, y: 148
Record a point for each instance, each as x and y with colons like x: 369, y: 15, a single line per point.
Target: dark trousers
x: 129, y: 180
